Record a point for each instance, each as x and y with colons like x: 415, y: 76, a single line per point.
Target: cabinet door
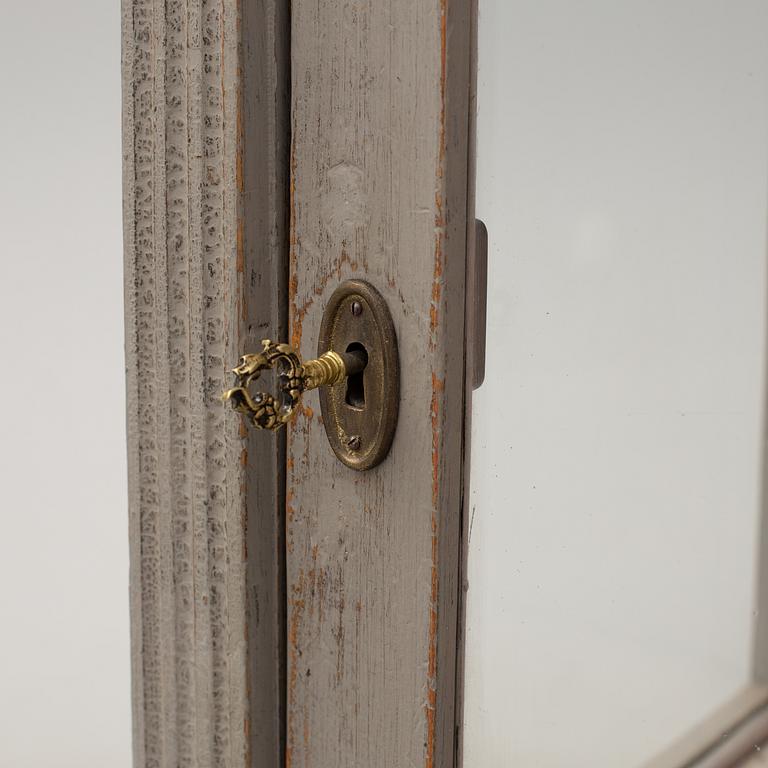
x: 380, y: 97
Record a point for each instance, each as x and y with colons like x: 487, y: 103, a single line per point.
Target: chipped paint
x: 322, y: 279
x: 375, y: 548
x: 296, y: 315
x: 297, y: 604
x: 443, y: 81
x: 438, y: 388
x: 437, y: 272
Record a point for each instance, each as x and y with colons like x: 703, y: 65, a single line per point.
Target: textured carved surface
x: 195, y: 209
x: 379, y: 166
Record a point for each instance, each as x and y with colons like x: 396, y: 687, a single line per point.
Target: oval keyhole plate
x: 360, y: 415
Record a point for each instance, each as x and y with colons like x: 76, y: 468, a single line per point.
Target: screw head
x: 354, y: 443
x: 357, y: 308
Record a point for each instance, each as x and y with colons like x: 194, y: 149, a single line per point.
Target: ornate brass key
x: 294, y: 378
x: 359, y: 387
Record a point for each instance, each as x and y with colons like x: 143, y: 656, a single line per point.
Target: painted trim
x: 204, y: 124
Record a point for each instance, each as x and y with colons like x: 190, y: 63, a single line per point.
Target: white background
x: 623, y: 175
x: 64, y: 632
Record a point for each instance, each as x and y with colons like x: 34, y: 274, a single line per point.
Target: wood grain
x: 201, y: 227
x: 379, y: 192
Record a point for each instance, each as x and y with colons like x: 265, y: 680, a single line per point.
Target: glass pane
x: 616, y: 457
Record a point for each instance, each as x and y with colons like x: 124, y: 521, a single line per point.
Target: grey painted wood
x: 379, y: 191
x: 265, y: 171
x: 204, y: 170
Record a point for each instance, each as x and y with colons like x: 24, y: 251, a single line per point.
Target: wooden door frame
x: 205, y: 150
x: 207, y: 199
x: 206, y: 203
x: 379, y: 166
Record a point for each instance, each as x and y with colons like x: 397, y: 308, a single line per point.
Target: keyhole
x: 355, y: 396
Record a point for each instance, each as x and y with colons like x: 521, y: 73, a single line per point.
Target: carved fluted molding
x: 204, y: 236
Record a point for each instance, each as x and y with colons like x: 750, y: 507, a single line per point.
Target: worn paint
x: 379, y: 192
x: 438, y: 389
x: 183, y: 298
x: 300, y: 311
x: 296, y: 313
x: 193, y: 215
x: 297, y: 604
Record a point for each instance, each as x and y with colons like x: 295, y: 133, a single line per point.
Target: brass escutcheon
x: 360, y: 413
